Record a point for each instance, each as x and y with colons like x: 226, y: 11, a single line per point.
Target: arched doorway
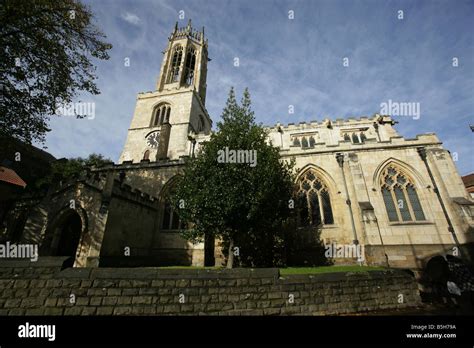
x: 68, y: 233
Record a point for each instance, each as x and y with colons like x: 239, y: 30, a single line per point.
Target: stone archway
x: 67, y: 234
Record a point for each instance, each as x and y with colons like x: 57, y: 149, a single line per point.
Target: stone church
x: 402, y: 199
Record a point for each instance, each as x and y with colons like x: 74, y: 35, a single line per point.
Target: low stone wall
x: 44, y: 288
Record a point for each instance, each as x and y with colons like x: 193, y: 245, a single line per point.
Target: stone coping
x: 61, y: 264
x: 43, y: 262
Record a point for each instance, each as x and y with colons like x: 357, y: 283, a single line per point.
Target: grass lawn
x: 188, y: 267
x: 327, y: 269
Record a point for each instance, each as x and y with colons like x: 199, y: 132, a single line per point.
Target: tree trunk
x: 230, y: 256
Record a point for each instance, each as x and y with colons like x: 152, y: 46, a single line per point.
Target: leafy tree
x: 242, y: 204
x: 67, y: 169
x: 46, y: 48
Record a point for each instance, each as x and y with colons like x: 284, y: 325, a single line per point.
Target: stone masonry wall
x: 42, y: 288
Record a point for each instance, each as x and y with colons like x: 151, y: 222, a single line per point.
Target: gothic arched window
x: 296, y: 142
x: 313, y: 201
x: 312, y: 142
x: 161, y: 115
x: 146, y: 155
x: 362, y: 137
x: 400, y: 197
x: 304, y: 142
x: 175, y: 64
x: 347, y: 137
x: 170, y: 220
x: 189, y: 66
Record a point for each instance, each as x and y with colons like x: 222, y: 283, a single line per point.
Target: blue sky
x: 295, y: 62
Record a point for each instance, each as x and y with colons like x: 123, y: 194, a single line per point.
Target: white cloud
x: 130, y: 18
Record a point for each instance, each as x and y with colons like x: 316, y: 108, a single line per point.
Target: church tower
x: 166, y: 120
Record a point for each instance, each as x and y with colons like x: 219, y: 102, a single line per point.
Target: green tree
x: 244, y: 204
x: 46, y: 51
x: 68, y: 169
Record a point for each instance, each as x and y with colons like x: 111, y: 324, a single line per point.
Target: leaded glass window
x: 400, y: 197
x: 355, y: 138
x: 171, y: 219
x: 304, y: 142
x: 161, y: 115
x: 313, y: 201
x: 175, y: 64
x: 189, y: 66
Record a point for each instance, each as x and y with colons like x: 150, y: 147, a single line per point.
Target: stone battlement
x: 338, y: 122
x: 134, y: 194
x: 125, y: 165
x: 188, y: 32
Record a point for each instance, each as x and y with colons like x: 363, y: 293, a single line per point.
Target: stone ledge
x: 43, y: 261
x: 159, y: 273
x: 343, y: 276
